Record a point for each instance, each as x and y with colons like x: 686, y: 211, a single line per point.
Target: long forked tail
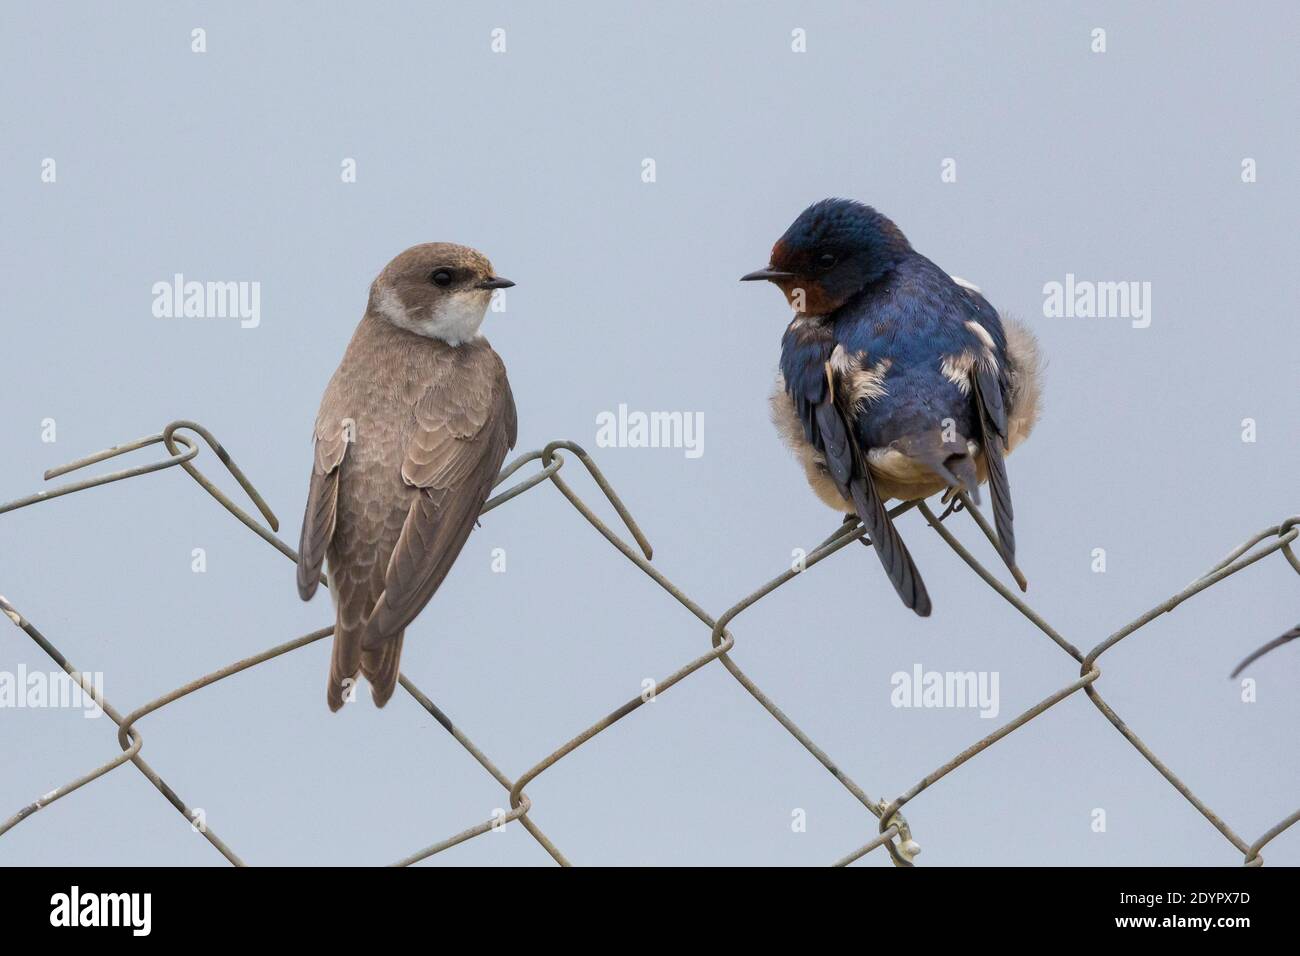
x: 848, y: 469
x: 888, y: 543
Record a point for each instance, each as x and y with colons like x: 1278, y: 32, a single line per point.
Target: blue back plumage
x: 920, y: 371
x: 903, y: 309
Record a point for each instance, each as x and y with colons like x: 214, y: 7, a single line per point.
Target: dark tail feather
x: 1290, y: 635
x: 1000, y: 492
x: 999, y: 484
x: 848, y: 468
x: 381, y: 667
x: 894, y: 555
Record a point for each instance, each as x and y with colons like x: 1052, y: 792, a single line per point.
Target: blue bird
x: 896, y: 380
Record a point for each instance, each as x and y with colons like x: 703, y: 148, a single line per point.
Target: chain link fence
x: 892, y: 830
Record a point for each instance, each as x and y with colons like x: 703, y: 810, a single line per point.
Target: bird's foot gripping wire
x: 906, y: 850
x: 851, y: 523
x: 954, y: 503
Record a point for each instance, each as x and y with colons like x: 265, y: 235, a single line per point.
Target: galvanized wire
x: 893, y: 831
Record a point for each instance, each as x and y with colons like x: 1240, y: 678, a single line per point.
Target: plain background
x: 225, y: 166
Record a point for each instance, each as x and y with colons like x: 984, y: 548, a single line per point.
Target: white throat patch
x: 455, y: 323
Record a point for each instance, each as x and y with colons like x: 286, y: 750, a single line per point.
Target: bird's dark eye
x: 441, y: 277
x: 826, y: 260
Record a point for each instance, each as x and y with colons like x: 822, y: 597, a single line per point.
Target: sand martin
x: 411, y: 433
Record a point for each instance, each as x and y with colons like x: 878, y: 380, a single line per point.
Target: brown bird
x: 411, y: 433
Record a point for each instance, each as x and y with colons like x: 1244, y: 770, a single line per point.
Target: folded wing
x: 460, y: 442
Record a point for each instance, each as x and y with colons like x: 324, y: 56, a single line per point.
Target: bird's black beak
x: 770, y: 274
x: 495, y: 282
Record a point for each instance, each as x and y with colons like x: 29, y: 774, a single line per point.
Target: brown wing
x: 464, y: 428
x: 322, y: 501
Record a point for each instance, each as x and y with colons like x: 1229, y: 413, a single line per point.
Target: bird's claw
x: 954, y: 504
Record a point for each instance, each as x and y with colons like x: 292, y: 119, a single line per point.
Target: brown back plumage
x: 410, y: 437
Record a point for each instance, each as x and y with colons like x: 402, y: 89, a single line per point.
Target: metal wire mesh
x: 893, y: 831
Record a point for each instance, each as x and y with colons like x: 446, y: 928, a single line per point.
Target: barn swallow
x: 412, y: 430
x: 896, y: 380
